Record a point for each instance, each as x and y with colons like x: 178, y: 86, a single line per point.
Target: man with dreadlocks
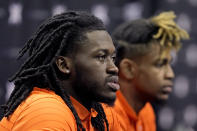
x: 69, y: 69
x: 144, y: 49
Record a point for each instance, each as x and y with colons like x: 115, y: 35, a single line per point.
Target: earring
x: 67, y: 71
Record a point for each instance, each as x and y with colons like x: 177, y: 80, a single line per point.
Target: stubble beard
x: 85, y: 90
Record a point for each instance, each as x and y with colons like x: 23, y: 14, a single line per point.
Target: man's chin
x: 161, y: 101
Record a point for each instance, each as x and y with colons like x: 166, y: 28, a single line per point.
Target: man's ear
x: 128, y: 68
x: 63, y: 64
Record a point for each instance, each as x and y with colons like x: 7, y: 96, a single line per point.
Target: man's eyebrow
x: 106, y: 51
x: 164, y: 60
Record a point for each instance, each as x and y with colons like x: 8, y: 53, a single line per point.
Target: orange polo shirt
x: 129, y: 120
x: 43, y: 110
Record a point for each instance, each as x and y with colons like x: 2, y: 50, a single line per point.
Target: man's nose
x: 111, y: 67
x: 170, y: 73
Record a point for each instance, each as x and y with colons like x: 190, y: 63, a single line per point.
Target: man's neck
x: 83, y: 100
x: 131, y: 95
x: 87, y: 103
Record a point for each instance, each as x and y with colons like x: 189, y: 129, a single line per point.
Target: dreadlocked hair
x: 134, y: 37
x: 56, y: 36
x: 169, y: 33
x: 100, y: 119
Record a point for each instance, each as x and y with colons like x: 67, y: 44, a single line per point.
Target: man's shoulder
x: 41, y: 108
x: 45, y: 101
x: 43, y: 97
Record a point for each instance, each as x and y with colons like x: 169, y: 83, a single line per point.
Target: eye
x: 113, y: 58
x: 101, y: 58
x: 161, y: 63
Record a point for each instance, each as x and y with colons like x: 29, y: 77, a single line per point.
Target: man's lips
x: 167, y: 89
x: 113, y: 86
x: 112, y: 82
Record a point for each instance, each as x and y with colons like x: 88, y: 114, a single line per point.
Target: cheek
x: 155, y: 82
x: 92, y: 71
x: 96, y: 74
x: 93, y: 75
x: 151, y: 77
x: 97, y: 71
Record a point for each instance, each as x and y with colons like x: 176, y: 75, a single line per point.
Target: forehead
x: 155, y: 50
x: 98, y: 40
x: 161, y: 52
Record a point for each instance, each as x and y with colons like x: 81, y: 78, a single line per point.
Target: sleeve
x: 45, y: 114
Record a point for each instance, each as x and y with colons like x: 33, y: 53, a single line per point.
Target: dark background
x: 19, y: 19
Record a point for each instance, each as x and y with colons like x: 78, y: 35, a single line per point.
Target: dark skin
x: 146, y: 78
x: 93, y: 74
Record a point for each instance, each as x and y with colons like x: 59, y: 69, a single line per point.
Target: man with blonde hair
x: 145, y: 74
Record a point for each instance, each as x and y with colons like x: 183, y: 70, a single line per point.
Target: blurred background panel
x: 20, y: 18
